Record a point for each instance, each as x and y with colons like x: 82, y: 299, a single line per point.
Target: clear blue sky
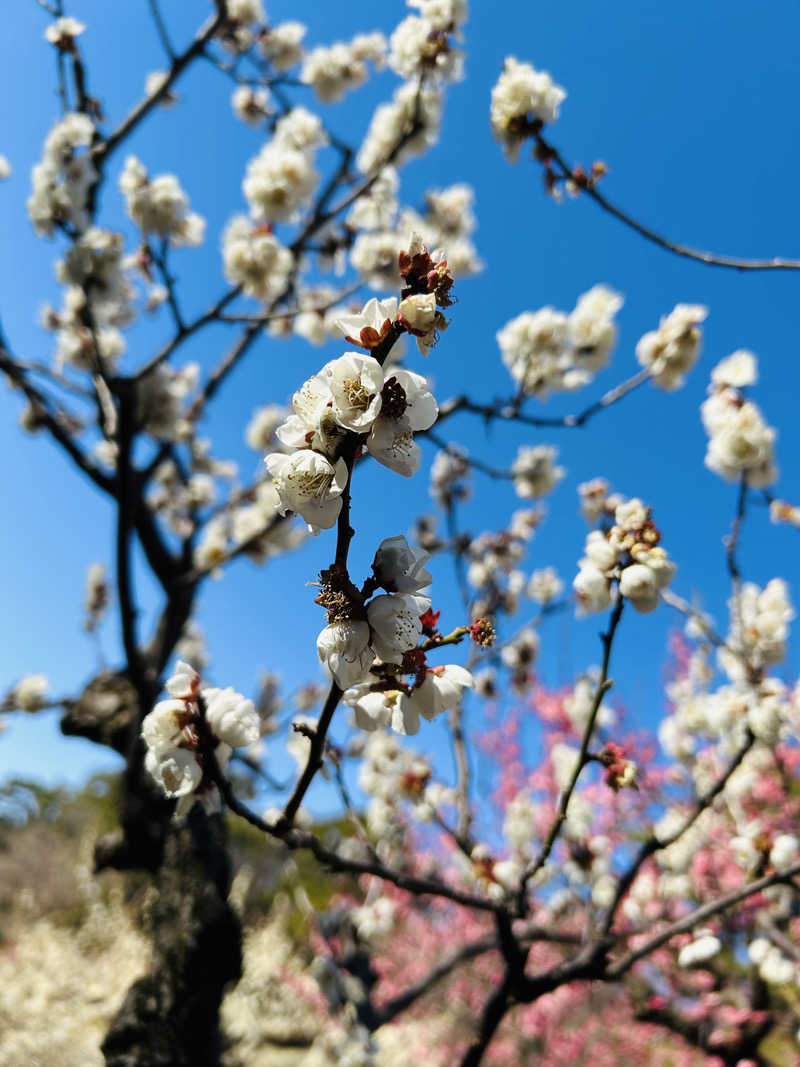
x: 689, y: 104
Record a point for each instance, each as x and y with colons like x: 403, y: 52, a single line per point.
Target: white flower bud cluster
x: 671, y: 351
x: 773, y: 967
x: 281, y: 178
x: 703, y: 947
x: 172, y: 735
x: 159, y: 206
x: 29, y: 694
x: 628, y: 552
x: 420, y: 46
x: 62, y: 180
x: 333, y: 70
x: 550, y: 351
x: 63, y: 31
x: 740, y: 441
x: 254, y: 258
x: 522, y: 95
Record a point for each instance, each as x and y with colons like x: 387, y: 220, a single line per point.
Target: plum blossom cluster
x: 627, y: 553
x: 393, y: 777
x: 159, y: 206
x: 97, y: 301
x: 549, y: 351
x: 333, y: 70
x: 388, y: 628
x: 421, y: 45
x: 523, y: 100
x: 741, y: 444
x: 62, y: 180
x: 495, y: 564
x: 759, y: 629
x: 282, y: 177
x: 671, y: 351
x: 351, y: 394
x: 183, y: 732
x: 255, y: 259
x: 448, y: 221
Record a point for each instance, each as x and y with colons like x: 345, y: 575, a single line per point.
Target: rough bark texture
x: 170, y: 1018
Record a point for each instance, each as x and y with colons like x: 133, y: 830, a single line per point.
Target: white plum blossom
x: 176, y: 770
x: 395, y: 623
x: 390, y: 124
x: 704, y: 946
x: 282, y: 45
x: 254, y: 258
x: 172, y: 736
x: 332, y: 70
x: 344, y: 649
x: 30, y: 693
x: 355, y: 382
x: 184, y: 683
x: 738, y: 370
x: 233, y: 719
x: 670, y: 352
x: 399, y: 568
x: 534, y: 471
x: 549, y: 351
x: 279, y: 181
x: 544, y: 585
x: 759, y: 627
x: 442, y: 689
x: 62, y: 180
x: 419, y: 316
x: 310, y: 485
x: 63, y: 32
x: 5, y: 168
x: 408, y: 407
x: 260, y: 432
x: 162, y: 728
x: 252, y: 106
x: 522, y: 95
x: 159, y: 205
x: 371, y: 325
x: 420, y: 45
x: 741, y: 444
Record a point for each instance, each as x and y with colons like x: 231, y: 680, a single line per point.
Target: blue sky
x: 687, y: 104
